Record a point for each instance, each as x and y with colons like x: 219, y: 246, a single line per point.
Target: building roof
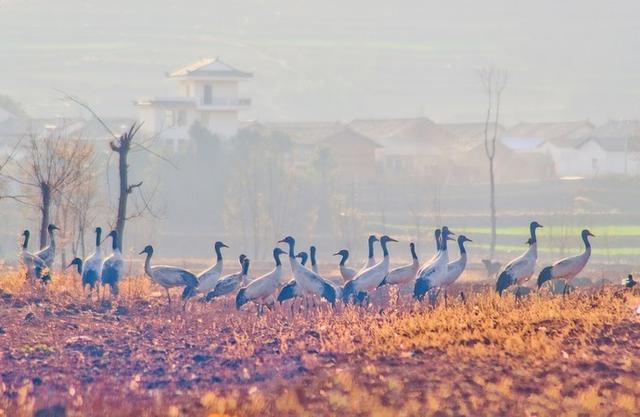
x: 469, y: 132
x: 549, y: 131
x: 302, y: 133
x: 415, y: 136
x: 210, y: 68
x: 348, y: 135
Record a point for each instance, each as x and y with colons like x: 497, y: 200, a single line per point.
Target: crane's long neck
x: 370, y: 248
x: 443, y: 244
x: 147, y: 264
x: 413, y: 253
x: 52, y: 239
x: 385, y: 251
x: 463, y: 252
x: 245, y: 272
x: 312, y: 255
x: 25, y: 243
x: 276, y: 258
x: 587, y: 244
x: 533, y: 234
x: 218, y: 254
x: 343, y: 261
x: 114, y: 243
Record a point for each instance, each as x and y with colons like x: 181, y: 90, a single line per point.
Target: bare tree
x: 494, y: 82
x: 52, y: 167
x: 121, y: 146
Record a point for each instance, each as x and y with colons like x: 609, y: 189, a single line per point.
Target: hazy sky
x: 321, y: 60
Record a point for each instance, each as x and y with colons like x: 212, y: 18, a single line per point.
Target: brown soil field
x: 62, y: 354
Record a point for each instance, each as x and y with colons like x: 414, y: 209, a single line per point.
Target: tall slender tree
x: 493, y: 82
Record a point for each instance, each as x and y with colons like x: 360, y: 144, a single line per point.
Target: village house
x: 209, y: 92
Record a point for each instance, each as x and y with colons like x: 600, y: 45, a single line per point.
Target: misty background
x: 313, y: 156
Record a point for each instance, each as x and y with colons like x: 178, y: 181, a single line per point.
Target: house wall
x: 591, y: 161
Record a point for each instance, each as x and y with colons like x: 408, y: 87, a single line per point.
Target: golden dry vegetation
x: 540, y: 356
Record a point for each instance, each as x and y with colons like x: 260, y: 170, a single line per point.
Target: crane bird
x: 92, y: 265
x: 434, y: 272
x: 169, y: 276
x: 77, y: 262
x: 371, y: 258
x: 208, y: 278
x: 229, y: 283
x: 567, y: 268
x: 261, y: 290
x: 346, y: 272
x: 290, y: 289
x: 456, y: 268
x: 48, y: 253
x: 34, y: 265
x: 403, y: 274
x: 307, y: 281
x: 312, y: 257
x: 113, y: 266
x: 370, y: 278
x: 519, y: 270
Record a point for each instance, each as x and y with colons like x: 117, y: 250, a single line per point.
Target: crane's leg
x: 168, y: 295
x: 445, y: 298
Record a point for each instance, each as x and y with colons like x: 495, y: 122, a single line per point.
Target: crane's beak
x: 392, y: 240
x: 337, y: 254
x: 468, y: 240
x: 591, y: 234
x: 144, y: 251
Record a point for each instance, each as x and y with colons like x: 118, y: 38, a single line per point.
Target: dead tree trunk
x: 45, y: 209
x: 122, y: 146
x: 494, y: 82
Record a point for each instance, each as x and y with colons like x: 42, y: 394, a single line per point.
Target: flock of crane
x: 437, y: 273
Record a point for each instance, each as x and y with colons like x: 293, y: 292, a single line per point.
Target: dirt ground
x: 61, y: 354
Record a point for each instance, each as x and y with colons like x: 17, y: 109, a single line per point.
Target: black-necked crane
x: 34, y: 265
x: 229, y: 283
x: 113, y: 265
x: 169, y: 276
x: 92, y: 265
x: 208, y: 278
x: 312, y: 257
x: 520, y: 270
x: 568, y: 268
x: 262, y: 290
x: 370, y: 278
x: 48, y: 253
x: 308, y: 282
x: 457, y: 267
x: 404, y: 274
x: 346, y: 272
x: 433, y: 273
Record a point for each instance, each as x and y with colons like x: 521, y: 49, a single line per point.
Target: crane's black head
x: 241, y: 258
x: 373, y: 238
x: 148, y: 250
x: 245, y: 266
x: 113, y: 234
x: 219, y: 245
x: 303, y: 257
x: 446, y: 233
x: 78, y: 263
x: 586, y: 233
x: 343, y: 252
x: 26, y: 233
x: 535, y: 225
x: 385, y: 239
x: 463, y: 238
x: 289, y: 240
x: 278, y: 251
x: 52, y: 227
x: 98, y: 230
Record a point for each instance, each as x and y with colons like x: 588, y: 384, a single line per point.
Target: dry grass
x: 488, y: 356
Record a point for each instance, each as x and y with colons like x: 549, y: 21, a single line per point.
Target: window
x: 182, y: 118
x: 169, y: 118
x: 208, y: 95
x: 204, y: 119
